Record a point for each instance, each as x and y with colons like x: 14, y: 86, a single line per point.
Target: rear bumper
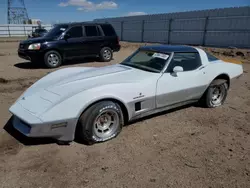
x: 31, y: 126
x: 117, y: 48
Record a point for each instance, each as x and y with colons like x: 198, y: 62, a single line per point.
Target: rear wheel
x: 106, y: 54
x: 101, y: 122
x: 52, y: 59
x: 216, y: 93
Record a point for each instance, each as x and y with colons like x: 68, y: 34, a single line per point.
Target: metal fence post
x: 205, y: 32
x: 9, y: 30
x: 122, y: 22
x: 24, y: 30
x: 169, y: 29
x: 142, y: 30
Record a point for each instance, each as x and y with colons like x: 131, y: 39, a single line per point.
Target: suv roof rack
x: 86, y: 22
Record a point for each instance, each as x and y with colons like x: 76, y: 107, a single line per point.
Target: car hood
x: 36, y: 40
x: 94, y: 77
x: 62, y: 84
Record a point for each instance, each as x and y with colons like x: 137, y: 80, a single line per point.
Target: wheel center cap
x: 103, y: 120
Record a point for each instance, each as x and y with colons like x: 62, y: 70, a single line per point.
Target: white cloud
x: 62, y: 4
x: 136, y: 13
x: 85, y: 5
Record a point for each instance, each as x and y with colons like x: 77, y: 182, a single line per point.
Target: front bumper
x: 31, y: 126
x: 29, y: 54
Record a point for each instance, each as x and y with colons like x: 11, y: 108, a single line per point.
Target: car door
x: 177, y: 87
x: 74, y: 44
x: 93, y: 39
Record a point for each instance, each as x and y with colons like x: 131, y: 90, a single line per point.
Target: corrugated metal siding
x: 133, y: 36
x: 229, y: 23
x: 155, y: 36
x: 224, y: 27
x: 133, y: 25
x: 220, y: 12
x: 161, y: 25
x: 186, y: 37
x: 188, y: 24
x: 156, y: 31
x: 228, y: 38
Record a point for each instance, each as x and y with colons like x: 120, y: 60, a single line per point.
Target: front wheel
x: 216, y: 93
x: 52, y: 59
x: 106, y: 54
x: 101, y: 122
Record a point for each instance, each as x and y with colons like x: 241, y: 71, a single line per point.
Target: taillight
x: 118, y: 40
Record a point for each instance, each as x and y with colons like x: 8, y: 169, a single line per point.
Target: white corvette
x: 95, y: 103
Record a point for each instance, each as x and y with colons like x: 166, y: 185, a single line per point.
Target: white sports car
x: 96, y: 102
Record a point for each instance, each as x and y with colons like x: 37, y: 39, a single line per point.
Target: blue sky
x: 84, y: 10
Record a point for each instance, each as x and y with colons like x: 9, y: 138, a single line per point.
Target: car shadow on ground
x: 43, y: 141
x: 39, y: 65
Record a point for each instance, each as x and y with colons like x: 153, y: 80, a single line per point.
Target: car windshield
x: 147, y: 60
x: 40, y: 30
x: 56, y: 31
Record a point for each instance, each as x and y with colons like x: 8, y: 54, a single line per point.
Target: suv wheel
x: 106, y: 54
x: 52, y: 59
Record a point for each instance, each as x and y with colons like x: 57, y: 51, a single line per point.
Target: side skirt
x: 162, y: 109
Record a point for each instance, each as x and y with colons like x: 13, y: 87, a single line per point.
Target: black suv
x: 71, y: 40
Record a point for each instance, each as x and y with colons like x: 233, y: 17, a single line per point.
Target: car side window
x: 210, y: 57
x: 92, y: 31
x: 108, y: 30
x: 75, y: 32
x: 188, y: 61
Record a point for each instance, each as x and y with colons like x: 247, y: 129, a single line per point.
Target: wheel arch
x: 119, y: 102
x: 53, y: 49
x: 223, y: 76
x: 106, y: 45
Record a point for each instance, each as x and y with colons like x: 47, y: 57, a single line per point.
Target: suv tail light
x: 118, y: 40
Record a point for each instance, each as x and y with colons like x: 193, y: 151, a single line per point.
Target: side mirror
x: 66, y: 36
x: 177, y: 69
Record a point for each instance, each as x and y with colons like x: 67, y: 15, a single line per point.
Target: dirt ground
x: 188, y: 147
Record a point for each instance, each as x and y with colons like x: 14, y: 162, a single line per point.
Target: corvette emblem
x: 140, y: 96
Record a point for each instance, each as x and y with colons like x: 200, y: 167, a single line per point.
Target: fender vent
x: 137, y: 106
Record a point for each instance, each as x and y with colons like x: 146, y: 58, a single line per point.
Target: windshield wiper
x: 141, y: 67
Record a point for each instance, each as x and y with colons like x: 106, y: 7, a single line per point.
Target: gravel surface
x: 188, y: 147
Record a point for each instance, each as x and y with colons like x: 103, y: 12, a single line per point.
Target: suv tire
x: 106, y: 54
x: 52, y: 59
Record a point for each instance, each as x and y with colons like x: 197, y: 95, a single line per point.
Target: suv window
x: 108, y: 30
x: 189, y: 61
x: 40, y: 30
x: 211, y: 57
x: 75, y: 32
x: 92, y: 31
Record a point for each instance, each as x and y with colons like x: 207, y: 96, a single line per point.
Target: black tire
x: 87, y: 129
x: 106, y: 54
x: 54, y: 64
x: 209, y: 96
